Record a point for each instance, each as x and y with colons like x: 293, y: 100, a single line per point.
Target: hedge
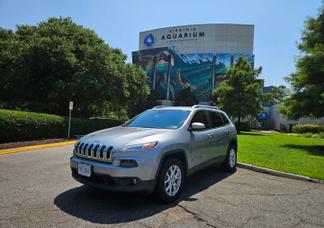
x: 244, y: 126
x: 20, y: 126
x: 307, y: 128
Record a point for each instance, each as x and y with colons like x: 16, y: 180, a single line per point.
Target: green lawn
x: 288, y: 153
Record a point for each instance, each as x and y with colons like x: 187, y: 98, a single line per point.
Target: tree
x: 307, y: 83
x: 142, y: 97
x: 185, y: 98
x: 144, y: 104
x: 43, y: 67
x: 276, y: 95
x: 240, y: 93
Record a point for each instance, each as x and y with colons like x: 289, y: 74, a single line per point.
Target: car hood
x: 120, y: 136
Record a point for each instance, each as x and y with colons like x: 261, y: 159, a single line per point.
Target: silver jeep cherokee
x: 156, y: 150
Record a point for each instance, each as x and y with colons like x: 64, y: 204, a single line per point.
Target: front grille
x: 93, y: 151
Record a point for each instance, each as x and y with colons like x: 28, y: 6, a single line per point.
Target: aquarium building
x: 191, y: 57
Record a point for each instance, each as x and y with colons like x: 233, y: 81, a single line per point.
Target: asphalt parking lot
x: 36, y: 190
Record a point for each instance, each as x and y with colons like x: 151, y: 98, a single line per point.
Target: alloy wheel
x: 232, y: 158
x: 172, y: 181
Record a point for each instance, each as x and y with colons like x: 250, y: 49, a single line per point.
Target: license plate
x: 84, y: 169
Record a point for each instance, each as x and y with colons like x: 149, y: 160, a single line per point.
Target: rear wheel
x: 170, y: 180
x: 231, y: 157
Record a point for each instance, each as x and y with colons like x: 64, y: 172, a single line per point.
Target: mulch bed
x: 30, y: 143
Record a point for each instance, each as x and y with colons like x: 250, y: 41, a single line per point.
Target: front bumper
x: 116, y: 184
x: 109, y: 177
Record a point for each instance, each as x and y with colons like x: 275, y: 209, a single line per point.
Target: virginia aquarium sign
x: 183, y: 33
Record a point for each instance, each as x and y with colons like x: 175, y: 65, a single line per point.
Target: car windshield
x: 165, y: 119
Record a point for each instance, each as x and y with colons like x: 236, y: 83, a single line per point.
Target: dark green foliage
x: 43, y: 67
x: 276, y: 96
x: 244, y: 126
x: 239, y: 95
x: 307, y: 82
x: 307, y: 128
x: 142, y: 105
x: 185, y: 98
x: 19, y: 126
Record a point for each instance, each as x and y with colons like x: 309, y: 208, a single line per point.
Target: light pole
x: 169, y: 78
x: 154, y: 71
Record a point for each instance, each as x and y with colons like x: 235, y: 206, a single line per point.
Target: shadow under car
x: 106, y: 207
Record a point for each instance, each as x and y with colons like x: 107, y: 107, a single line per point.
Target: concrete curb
x: 278, y: 173
x: 36, y: 147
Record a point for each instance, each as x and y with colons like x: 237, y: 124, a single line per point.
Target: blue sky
x: 278, y: 23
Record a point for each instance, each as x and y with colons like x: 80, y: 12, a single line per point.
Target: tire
x: 170, y: 191
x: 229, y: 165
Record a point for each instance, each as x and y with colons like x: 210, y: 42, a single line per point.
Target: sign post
x: 70, y: 112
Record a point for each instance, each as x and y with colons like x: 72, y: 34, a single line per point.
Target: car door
x: 200, y: 140
x: 219, y: 132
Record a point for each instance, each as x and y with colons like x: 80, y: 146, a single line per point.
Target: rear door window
x: 225, y: 119
x: 216, y: 119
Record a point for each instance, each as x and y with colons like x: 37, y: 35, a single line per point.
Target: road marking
x: 36, y: 147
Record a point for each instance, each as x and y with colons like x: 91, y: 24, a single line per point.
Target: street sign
x: 263, y: 116
x: 71, y: 105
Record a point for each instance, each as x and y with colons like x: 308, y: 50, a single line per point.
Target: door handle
x: 227, y: 131
x: 210, y: 135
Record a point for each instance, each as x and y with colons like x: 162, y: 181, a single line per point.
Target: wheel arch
x: 233, y: 142
x: 177, y: 153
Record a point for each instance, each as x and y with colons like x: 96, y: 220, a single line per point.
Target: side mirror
x: 197, y: 126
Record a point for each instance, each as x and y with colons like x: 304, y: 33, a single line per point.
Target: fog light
x: 128, y: 163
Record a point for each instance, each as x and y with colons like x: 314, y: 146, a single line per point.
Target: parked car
x: 156, y: 150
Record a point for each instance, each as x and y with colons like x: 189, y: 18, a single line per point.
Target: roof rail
x: 204, y: 106
x: 160, y: 106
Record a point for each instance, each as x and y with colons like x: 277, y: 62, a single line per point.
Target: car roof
x: 186, y: 108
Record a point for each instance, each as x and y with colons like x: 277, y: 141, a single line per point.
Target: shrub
x: 307, y: 128
x: 244, y: 126
x: 85, y: 126
x: 320, y: 135
x: 314, y: 136
x: 19, y: 126
x: 308, y: 135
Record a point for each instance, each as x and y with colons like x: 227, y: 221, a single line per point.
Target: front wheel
x: 170, y: 180
x: 229, y: 164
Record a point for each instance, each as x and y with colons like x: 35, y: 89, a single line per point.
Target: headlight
x: 148, y: 145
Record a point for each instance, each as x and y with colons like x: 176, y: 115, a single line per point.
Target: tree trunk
x: 238, y: 127
x: 239, y: 122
